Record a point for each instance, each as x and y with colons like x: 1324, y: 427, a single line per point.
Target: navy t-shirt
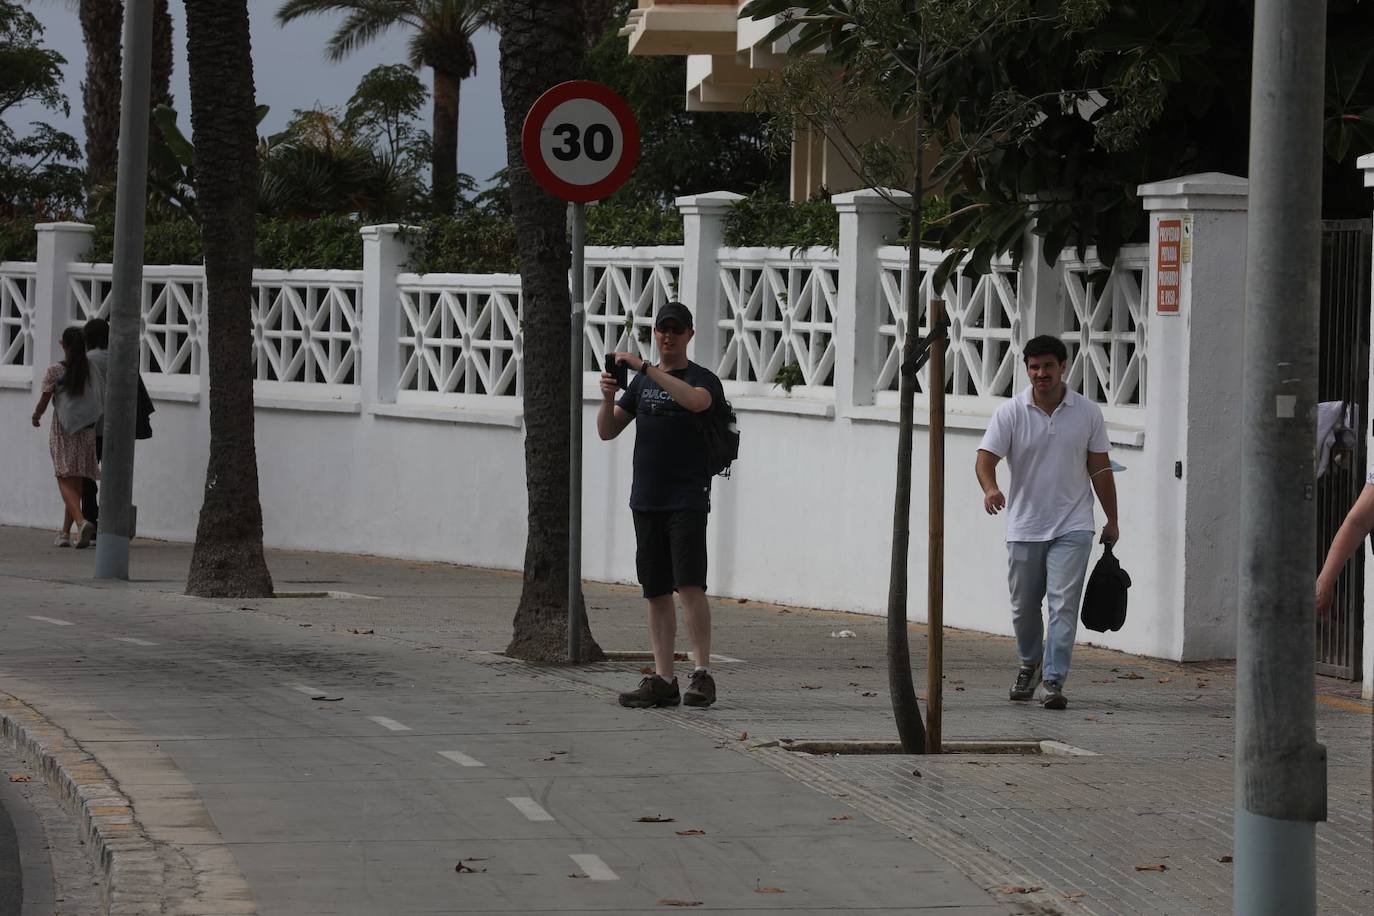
x: 670, y: 451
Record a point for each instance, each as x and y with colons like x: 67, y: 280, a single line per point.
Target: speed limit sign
x: 580, y: 141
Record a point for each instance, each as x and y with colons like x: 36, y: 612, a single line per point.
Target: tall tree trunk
x: 162, y: 55
x: 905, y: 707
x: 444, y: 155
x: 541, y: 44
x: 597, y: 16
x: 102, y: 23
x: 227, y: 560
x: 101, y: 31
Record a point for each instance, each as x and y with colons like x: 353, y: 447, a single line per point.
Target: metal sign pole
x: 578, y: 215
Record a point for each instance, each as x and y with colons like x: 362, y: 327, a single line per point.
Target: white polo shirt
x: 1050, y: 492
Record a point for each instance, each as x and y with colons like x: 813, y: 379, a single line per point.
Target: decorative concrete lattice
x: 1104, y: 326
x: 985, y: 334
x: 623, y: 295
x: 16, y: 313
x: 460, y: 333
x: 173, y: 303
x: 306, y: 326
x: 778, y: 311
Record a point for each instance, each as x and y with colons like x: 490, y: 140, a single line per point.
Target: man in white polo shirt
x: 1055, y: 442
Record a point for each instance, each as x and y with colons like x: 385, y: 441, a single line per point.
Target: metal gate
x: 1344, y: 376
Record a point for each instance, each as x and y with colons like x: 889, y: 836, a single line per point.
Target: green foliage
x: 634, y: 224
x: 284, y: 244
x: 37, y: 179
x: 764, y: 219
x: 789, y: 376
x: 475, y: 241
x: 383, y: 110
x: 18, y: 240
x: 681, y: 152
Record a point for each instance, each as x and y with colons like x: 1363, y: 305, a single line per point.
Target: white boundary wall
x: 389, y: 407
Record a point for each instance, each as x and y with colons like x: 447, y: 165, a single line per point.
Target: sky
x: 290, y: 71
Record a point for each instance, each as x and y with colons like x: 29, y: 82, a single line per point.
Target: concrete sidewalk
x: 1142, y: 825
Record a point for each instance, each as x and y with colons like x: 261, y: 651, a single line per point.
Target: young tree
x: 541, y: 44
x: 227, y: 560
x: 35, y: 175
x: 937, y: 71
x: 441, y: 40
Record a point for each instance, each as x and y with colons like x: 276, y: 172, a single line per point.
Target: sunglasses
x: 669, y: 327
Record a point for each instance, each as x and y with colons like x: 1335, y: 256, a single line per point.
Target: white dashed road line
x: 531, y: 809
x: 390, y: 724
x: 52, y: 620
x: 463, y: 760
x: 594, y: 868
x: 132, y: 641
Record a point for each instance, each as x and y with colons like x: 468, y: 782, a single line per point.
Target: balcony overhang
x: 682, y: 27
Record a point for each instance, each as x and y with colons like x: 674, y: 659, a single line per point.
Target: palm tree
x: 441, y: 40
x: 101, y: 30
x: 227, y: 560
x: 541, y: 45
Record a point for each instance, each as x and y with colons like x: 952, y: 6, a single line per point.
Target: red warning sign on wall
x: 1168, y: 263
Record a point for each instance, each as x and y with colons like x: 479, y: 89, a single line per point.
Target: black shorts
x: 670, y: 551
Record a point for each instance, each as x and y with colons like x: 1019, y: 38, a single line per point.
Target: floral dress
x: 72, y: 455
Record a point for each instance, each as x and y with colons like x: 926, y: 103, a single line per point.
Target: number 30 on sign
x: 580, y: 141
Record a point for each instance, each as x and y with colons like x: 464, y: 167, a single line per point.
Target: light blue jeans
x: 1053, y: 572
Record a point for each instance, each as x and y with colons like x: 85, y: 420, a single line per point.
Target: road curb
x: 126, y: 856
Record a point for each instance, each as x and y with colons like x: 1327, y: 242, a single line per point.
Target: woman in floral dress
x: 73, y: 454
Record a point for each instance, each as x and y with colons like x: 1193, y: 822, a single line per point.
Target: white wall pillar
x: 385, y: 253
x: 868, y: 220
x: 1193, y: 408
x: 59, y: 246
x: 703, y: 232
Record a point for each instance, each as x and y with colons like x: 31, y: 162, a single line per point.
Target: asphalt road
x: 351, y: 774
x: 11, y: 879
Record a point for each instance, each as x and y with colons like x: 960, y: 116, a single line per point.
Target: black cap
x: 674, y: 311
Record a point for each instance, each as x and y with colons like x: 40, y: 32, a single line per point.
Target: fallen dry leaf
x: 655, y: 819
x: 1164, y: 680
x: 465, y: 868
x: 692, y: 832
x: 324, y: 699
x: 869, y: 693
x: 741, y: 600
x: 1155, y: 866
x: 521, y: 722
x: 769, y: 890
x: 363, y: 632
x: 20, y: 777
x: 916, y: 773
x: 668, y: 902
x: 1225, y: 860
x: 557, y: 753
x: 1090, y: 718
x: 1074, y: 895
x: 842, y: 817
x: 1019, y: 889
x: 647, y: 669
x: 810, y: 686
x: 744, y: 736
x: 1130, y: 676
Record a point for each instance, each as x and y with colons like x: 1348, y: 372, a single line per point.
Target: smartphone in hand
x: 619, y: 371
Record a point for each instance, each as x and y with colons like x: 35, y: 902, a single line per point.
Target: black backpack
x: 1104, y: 598
x: 721, y: 432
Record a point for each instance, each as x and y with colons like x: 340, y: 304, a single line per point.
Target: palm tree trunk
x: 162, y: 55
x: 444, y: 155
x: 541, y: 42
x: 101, y: 28
x: 227, y: 560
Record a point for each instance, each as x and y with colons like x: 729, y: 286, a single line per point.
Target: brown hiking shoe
x: 701, y: 690
x: 652, y: 691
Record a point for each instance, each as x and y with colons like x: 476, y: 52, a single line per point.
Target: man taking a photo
x: 1055, y: 441
x: 670, y: 496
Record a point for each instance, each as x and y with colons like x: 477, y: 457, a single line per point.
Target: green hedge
x: 765, y: 220
x: 18, y: 241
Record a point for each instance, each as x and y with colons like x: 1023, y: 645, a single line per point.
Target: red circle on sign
x: 534, y: 126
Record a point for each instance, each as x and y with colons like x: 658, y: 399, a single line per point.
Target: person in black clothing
x: 670, y: 496
x: 97, y: 334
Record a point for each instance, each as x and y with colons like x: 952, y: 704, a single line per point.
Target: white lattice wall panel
x: 460, y: 333
x: 624, y: 289
x: 777, y: 310
x: 306, y: 326
x: 16, y: 313
x: 172, y: 309
x: 985, y: 334
x: 1104, y: 326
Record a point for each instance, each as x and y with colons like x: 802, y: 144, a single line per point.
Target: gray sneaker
x: 1051, y: 695
x: 1026, y: 679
